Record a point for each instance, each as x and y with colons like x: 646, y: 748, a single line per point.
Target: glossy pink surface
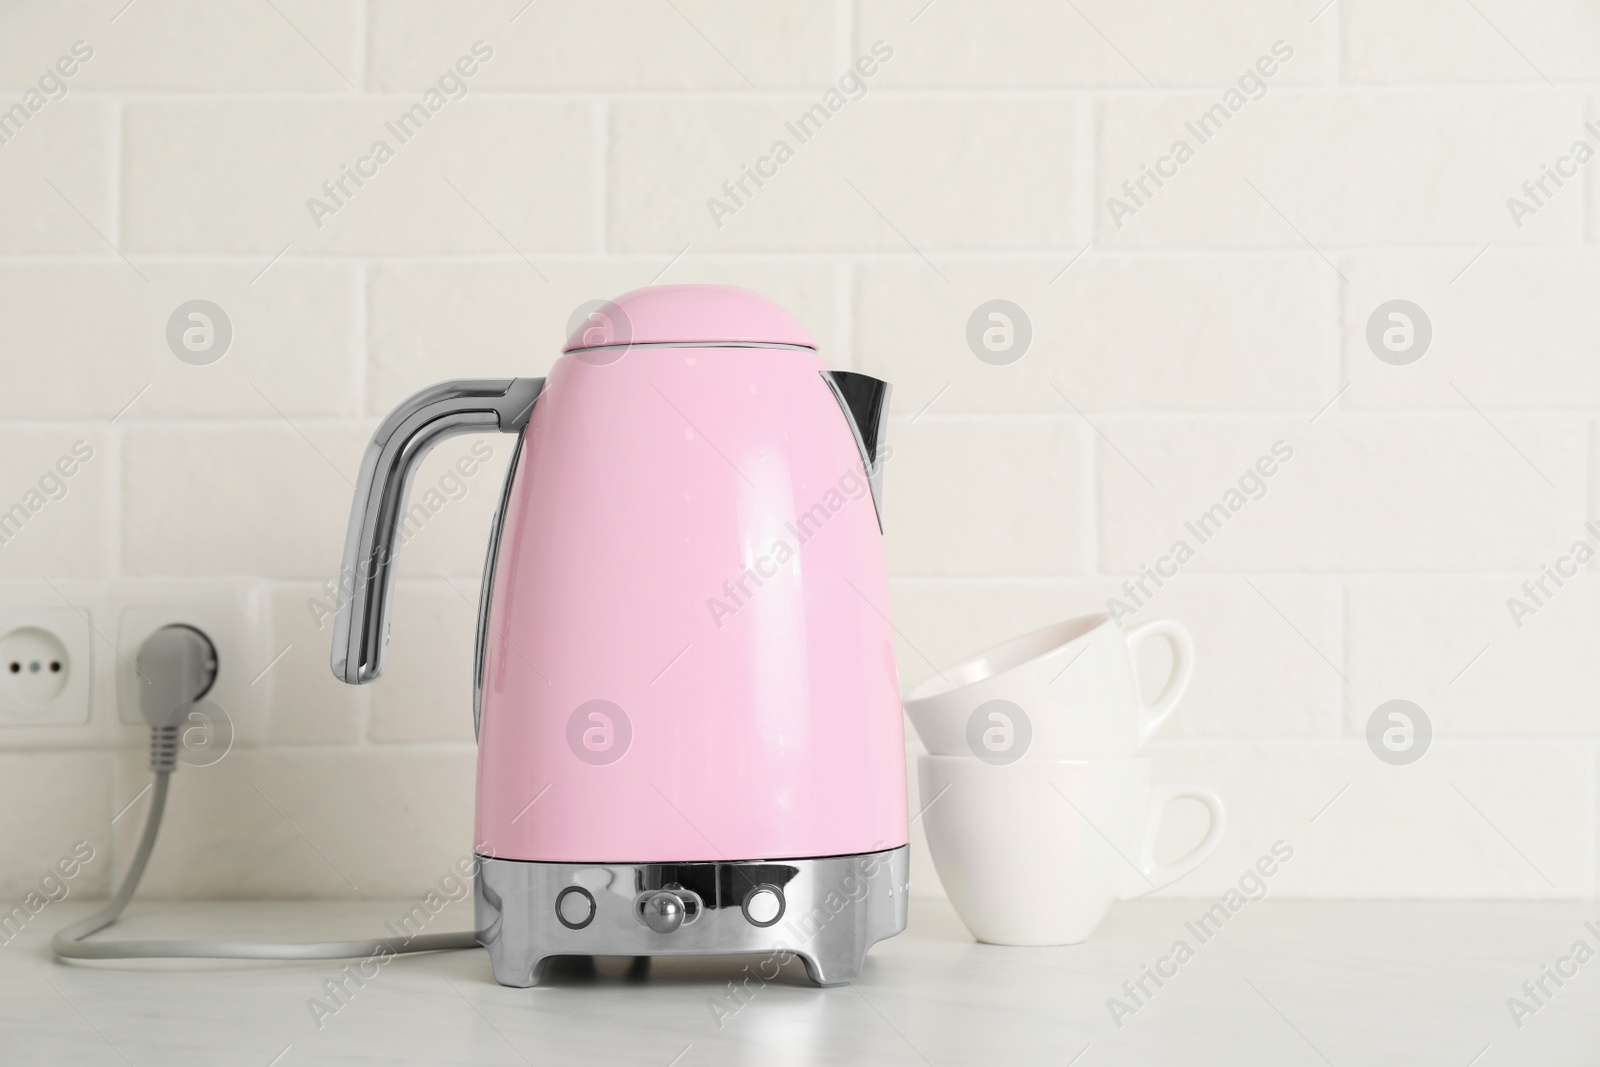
x: 772, y: 731
x: 661, y: 314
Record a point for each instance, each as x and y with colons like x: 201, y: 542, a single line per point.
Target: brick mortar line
x: 361, y: 373
x: 1338, y: 611
x: 1087, y: 137
x: 1295, y: 578
x: 1231, y: 577
x: 847, y: 23
x: 1315, y: 581
x: 1168, y: 745
x: 113, y: 485
x: 1337, y: 51
x: 114, y: 161
x: 1565, y: 88
x: 362, y: 42
x: 1592, y: 808
x: 1570, y: 418
x: 1089, y: 528
x: 1041, y: 255
x: 845, y: 304
x: 602, y: 178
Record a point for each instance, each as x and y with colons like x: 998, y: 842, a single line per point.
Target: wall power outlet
x: 67, y: 652
x: 235, y: 615
x: 46, y: 667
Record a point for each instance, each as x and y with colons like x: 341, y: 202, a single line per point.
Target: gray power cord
x: 179, y: 664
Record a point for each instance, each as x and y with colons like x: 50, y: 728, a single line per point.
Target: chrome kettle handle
x: 366, y: 585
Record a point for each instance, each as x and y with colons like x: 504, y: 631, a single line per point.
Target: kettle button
x: 662, y: 911
x: 763, y: 905
x: 575, y: 907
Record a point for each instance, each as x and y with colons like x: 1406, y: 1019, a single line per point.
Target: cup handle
x: 1151, y: 716
x: 1151, y: 875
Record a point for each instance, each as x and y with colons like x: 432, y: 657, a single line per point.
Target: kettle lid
x: 689, y: 314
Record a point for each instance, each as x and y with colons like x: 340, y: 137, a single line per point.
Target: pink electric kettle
x: 687, y: 710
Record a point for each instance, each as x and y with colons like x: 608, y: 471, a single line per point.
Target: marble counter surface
x: 1282, y: 983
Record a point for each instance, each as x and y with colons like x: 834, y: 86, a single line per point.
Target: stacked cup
x: 1038, y: 809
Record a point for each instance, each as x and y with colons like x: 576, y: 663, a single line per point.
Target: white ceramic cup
x: 1036, y: 852
x: 1067, y: 691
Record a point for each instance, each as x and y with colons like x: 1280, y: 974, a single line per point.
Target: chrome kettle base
x: 827, y: 912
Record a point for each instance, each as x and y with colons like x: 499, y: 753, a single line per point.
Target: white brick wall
x: 1172, y: 345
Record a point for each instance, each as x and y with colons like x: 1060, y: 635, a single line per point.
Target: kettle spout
x: 865, y: 401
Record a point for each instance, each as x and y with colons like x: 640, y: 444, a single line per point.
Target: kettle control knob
x: 575, y: 907
x: 662, y: 912
x: 764, y: 905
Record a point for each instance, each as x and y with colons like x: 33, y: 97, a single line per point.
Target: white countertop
x: 1283, y: 983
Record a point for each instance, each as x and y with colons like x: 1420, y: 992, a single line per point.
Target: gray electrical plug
x: 177, y: 666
